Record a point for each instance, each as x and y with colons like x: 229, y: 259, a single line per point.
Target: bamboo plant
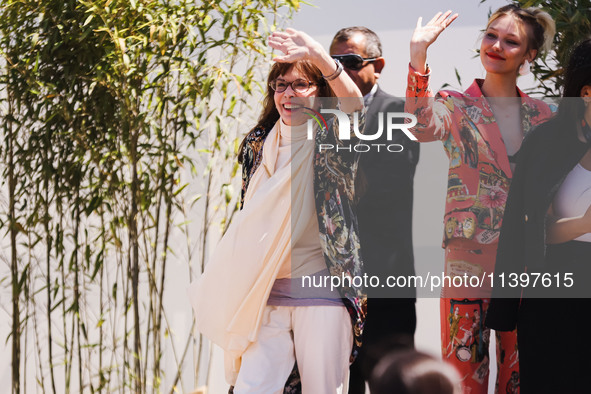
x: 120, y: 126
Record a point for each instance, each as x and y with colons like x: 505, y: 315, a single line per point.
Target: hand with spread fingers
x: 424, y: 36
x: 296, y: 45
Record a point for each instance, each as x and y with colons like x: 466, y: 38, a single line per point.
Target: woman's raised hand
x: 296, y: 45
x: 424, y: 36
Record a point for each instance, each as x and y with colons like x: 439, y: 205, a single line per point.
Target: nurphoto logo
x: 344, y: 132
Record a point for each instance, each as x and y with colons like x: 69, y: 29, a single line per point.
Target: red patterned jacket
x: 479, y: 170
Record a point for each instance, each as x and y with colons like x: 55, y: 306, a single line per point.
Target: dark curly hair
x: 577, y: 74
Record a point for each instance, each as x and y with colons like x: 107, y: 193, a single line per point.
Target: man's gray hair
x: 373, y: 46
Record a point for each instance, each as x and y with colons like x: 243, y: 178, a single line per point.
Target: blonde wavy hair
x: 542, y: 26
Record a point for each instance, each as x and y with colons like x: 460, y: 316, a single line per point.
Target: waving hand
x: 424, y: 36
x: 296, y: 45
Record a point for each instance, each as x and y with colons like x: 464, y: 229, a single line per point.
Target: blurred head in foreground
x: 412, y: 372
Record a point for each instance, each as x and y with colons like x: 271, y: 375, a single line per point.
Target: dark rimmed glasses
x: 353, y: 61
x: 298, y: 86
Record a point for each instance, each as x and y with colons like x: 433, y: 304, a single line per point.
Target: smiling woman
x: 503, y: 49
x: 481, y: 130
x: 294, y: 83
x: 296, y: 220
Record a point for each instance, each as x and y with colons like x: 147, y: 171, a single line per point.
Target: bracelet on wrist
x: 335, y: 74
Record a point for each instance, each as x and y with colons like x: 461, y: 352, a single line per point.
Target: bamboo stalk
x: 15, y: 331
x: 48, y: 246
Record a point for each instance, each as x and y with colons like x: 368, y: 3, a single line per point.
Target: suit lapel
x: 371, y: 119
x: 372, y: 113
x: 479, y: 111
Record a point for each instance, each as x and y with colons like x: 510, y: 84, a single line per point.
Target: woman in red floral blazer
x: 481, y: 130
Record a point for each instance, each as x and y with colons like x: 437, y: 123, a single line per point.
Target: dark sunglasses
x: 352, y: 61
x: 298, y: 86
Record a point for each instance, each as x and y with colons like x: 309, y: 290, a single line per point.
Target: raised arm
x: 433, y: 117
x: 424, y: 36
x: 297, y: 45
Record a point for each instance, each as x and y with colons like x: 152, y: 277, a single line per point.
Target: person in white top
x: 546, y: 233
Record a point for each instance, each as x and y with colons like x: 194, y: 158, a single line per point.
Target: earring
x: 587, y: 100
x: 525, y: 68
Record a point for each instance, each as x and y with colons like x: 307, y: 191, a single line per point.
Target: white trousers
x: 320, y: 338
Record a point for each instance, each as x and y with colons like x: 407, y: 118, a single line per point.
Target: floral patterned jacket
x: 479, y: 169
x: 334, y: 189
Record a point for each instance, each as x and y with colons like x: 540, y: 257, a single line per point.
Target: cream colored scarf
x: 231, y: 294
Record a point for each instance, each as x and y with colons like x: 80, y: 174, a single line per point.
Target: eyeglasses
x: 352, y: 61
x: 298, y: 86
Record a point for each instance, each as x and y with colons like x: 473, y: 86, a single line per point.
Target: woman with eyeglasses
x: 481, y: 130
x: 297, y: 221
x: 547, y: 232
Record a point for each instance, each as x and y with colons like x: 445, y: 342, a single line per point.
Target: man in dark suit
x: 384, y: 210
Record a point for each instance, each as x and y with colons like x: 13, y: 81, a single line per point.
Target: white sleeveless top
x: 574, y: 196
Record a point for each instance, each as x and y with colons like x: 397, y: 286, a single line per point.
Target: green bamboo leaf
x: 458, y: 78
x: 22, y: 280
x: 88, y: 20
x: 179, y: 190
x: 195, y: 199
x: 93, y: 204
